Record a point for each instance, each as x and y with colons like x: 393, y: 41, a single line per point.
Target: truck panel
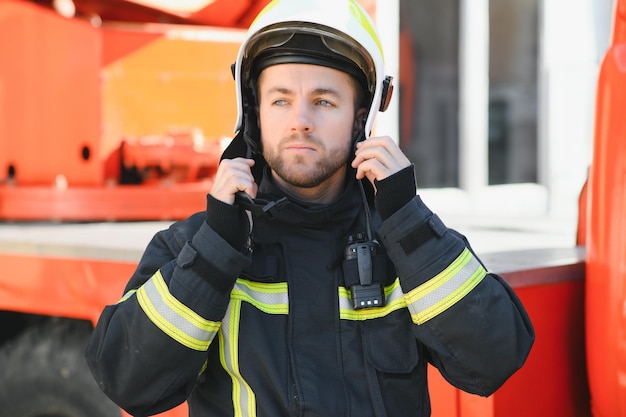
x: 605, y: 319
x: 110, y: 121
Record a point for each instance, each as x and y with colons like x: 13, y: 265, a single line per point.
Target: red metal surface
x: 606, y: 266
x: 123, y: 10
x: 118, y: 44
x: 65, y: 287
x: 71, y: 94
x: 49, y: 96
x: 180, y: 411
x: 553, y: 382
x: 121, y: 203
x: 224, y: 13
x: 229, y: 13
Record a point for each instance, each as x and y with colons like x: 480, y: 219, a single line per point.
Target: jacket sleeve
x: 472, y: 324
x: 148, y: 349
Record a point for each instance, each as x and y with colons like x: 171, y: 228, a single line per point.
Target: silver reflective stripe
x: 173, y: 317
x: 446, y: 288
x: 270, y: 298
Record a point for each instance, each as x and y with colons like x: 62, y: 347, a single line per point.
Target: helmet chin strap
x: 250, y: 136
x: 259, y: 205
x: 247, y: 141
x: 363, y: 183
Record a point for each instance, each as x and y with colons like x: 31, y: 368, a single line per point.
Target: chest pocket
x: 390, y: 345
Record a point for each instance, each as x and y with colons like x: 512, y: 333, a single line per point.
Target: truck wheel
x: 43, y: 373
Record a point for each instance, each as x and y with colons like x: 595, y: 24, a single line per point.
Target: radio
x: 365, y: 292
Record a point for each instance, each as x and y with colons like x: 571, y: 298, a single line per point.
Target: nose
x: 300, y: 117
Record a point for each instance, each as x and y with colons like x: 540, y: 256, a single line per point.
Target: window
x: 429, y: 91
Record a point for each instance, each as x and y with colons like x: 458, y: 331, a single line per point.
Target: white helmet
x: 334, y: 33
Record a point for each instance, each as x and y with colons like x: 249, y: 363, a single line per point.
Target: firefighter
x: 316, y: 282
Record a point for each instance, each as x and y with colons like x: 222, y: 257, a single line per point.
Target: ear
x: 359, y: 121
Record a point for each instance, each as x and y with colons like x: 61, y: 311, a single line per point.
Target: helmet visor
x: 282, y: 44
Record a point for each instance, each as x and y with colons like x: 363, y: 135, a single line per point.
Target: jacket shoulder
x: 183, y: 230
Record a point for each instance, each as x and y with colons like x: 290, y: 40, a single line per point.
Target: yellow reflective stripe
x: 203, y: 368
x: 446, y: 288
x: 269, y: 298
x: 126, y: 296
x: 244, y: 400
x: 355, y: 9
x: 173, y: 317
x: 263, y: 12
x: 357, y: 13
x: 394, y: 300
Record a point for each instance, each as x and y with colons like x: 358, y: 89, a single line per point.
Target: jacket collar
x: 293, y: 211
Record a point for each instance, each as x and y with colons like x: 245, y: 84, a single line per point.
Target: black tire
x: 43, y: 373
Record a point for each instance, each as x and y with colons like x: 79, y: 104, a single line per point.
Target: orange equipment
x: 605, y: 320
x: 83, y: 106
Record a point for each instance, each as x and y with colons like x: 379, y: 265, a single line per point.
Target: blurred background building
x: 499, y: 95
x: 496, y: 105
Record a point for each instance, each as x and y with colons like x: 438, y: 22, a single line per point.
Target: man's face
x: 307, y: 121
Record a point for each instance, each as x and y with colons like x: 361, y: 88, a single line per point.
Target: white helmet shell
x: 343, y: 25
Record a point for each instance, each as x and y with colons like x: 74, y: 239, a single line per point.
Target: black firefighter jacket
x: 273, y: 333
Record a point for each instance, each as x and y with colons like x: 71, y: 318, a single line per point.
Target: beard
x: 301, y: 171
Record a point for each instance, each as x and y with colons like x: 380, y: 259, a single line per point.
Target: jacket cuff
x: 229, y: 221
x: 395, y: 191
